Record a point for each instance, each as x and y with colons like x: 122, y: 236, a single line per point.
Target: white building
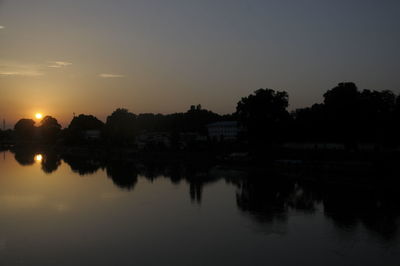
x: 223, y: 130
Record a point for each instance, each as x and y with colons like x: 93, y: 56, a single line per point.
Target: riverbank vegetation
x: 348, y: 118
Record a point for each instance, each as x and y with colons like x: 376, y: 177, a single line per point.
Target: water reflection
x: 82, y: 165
x: 50, y: 162
x: 266, y: 198
x: 25, y: 157
x: 376, y: 208
x: 124, y: 175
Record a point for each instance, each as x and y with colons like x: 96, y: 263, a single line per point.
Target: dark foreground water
x: 79, y: 211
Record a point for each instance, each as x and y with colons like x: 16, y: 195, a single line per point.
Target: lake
x: 82, y: 211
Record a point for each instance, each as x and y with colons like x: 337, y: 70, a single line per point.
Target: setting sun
x: 38, y: 116
x: 38, y: 158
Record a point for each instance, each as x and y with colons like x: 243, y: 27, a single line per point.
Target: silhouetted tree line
x: 48, y: 130
x: 123, y: 127
x: 351, y: 116
x: 347, y: 115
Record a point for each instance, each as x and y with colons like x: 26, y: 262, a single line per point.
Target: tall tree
x: 85, y: 122
x: 79, y: 124
x: 121, y: 126
x: 376, y: 112
x: 25, y: 129
x: 342, y: 105
x: 49, y: 129
x: 264, y: 115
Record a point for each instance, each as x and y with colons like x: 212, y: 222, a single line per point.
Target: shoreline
x: 380, y: 169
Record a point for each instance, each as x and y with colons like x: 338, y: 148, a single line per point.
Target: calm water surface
x: 79, y: 211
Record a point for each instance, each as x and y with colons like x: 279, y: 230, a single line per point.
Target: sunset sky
x: 92, y: 56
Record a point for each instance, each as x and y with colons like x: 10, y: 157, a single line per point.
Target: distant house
x: 223, y: 130
x: 92, y: 134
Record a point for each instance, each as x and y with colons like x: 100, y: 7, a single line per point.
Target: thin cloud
x: 106, y: 75
x: 2, y: 27
x: 21, y: 73
x: 59, y: 64
x: 9, y: 69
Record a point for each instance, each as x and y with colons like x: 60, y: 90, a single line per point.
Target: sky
x: 61, y: 57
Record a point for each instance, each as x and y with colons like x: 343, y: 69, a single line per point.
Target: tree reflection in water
x: 25, y: 157
x: 374, y: 207
x: 124, y: 175
x: 266, y: 198
x: 49, y: 160
x: 82, y: 165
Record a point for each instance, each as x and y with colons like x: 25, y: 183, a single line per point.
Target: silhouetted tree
x: 196, y: 119
x: 395, y: 123
x: 25, y: 129
x: 79, y: 125
x: 376, y: 108
x: 264, y: 115
x: 49, y: 129
x: 120, y: 127
x: 343, y: 112
x: 85, y: 122
x: 309, y: 124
